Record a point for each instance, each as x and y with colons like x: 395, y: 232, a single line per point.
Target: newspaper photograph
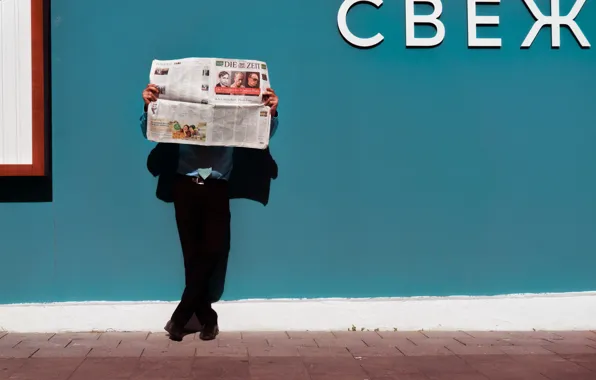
x: 210, y: 101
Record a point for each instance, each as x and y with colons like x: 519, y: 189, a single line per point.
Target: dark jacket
x: 252, y: 172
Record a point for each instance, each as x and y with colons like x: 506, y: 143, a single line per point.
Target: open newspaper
x: 210, y: 101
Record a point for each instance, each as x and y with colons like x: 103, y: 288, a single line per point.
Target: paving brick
x: 276, y: 368
x: 434, y: 346
x: 402, y: 334
x: 40, y: 344
x: 534, y: 335
x: 474, y: 350
x: 173, y: 351
x: 446, y: 334
x: 106, y: 368
x: 437, y: 341
x: 329, y: 351
x: 356, y: 335
x: 67, y: 339
x: 161, y: 336
x: 125, y: 352
x: 489, y: 334
x: 389, y: 367
x: 150, y: 344
x: 525, y: 350
x: 482, y: 342
x: 265, y: 335
x: 93, y: 344
x: 333, y: 367
x: 525, y: 341
x: 220, y: 368
x: 12, y: 339
x: 507, y: 370
x: 230, y: 335
x: 424, y: 350
x: 387, y: 342
x: 570, y: 349
x: 72, y: 352
x: 458, y: 376
x: 572, y: 341
x: 542, y: 363
x: 300, y: 342
x: 406, y: 376
x: 16, y: 353
x: 502, y: 367
x: 272, y: 351
x: 375, y: 351
x: 239, y: 343
x: 162, y: 368
x: 340, y: 342
x: 587, y: 361
x: 124, y: 336
x: 442, y: 365
x: 310, y: 334
x: 8, y: 366
x: 47, y: 369
x: 566, y: 371
x: 216, y: 351
x: 573, y: 335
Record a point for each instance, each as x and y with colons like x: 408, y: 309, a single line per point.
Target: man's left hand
x: 270, y: 99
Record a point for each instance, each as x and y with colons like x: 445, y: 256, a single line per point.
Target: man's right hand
x: 150, y: 94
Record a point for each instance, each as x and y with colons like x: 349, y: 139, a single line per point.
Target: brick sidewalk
x: 301, y: 356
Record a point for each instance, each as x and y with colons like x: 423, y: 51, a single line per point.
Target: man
x: 238, y: 80
x: 253, y: 80
x: 200, y: 193
x: 224, y: 79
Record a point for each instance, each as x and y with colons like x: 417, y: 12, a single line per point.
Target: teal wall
x: 403, y: 172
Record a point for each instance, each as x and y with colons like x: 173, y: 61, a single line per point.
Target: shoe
x: 176, y: 333
x: 209, y: 332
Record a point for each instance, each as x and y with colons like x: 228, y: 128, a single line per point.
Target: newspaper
x: 210, y: 101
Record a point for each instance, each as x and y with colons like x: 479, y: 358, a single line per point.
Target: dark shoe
x: 177, y: 333
x: 209, y: 332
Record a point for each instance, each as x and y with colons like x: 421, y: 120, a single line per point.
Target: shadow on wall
x: 26, y: 189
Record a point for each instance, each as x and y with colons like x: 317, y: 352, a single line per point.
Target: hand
x: 270, y: 99
x: 150, y: 94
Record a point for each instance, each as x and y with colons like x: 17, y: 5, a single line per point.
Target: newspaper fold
x: 210, y: 101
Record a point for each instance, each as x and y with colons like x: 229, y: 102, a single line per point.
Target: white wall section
x: 523, y: 312
x: 16, y: 119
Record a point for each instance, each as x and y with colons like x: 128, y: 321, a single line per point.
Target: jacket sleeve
x: 274, y: 124
x: 143, y: 121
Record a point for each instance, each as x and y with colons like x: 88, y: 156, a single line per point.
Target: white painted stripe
x: 564, y: 311
x: 16, y: 126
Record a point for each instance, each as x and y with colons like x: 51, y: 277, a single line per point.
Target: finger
x: 149, y: 97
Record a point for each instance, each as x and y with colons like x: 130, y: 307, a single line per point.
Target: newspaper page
x: 210, y: 101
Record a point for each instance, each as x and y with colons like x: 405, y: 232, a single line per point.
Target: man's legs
x: 203, y: 219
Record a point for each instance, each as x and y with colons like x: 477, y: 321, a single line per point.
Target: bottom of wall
x: 562, y: 311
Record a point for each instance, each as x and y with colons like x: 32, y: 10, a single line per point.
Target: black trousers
x: 203, y: 220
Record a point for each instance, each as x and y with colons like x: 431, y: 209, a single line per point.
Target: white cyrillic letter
x: 555, y: 20
x: 413, y: 19
x: 342, y: 24
x: 474, y: 20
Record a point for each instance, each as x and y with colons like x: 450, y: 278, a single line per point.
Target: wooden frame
x: 39, y: 166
